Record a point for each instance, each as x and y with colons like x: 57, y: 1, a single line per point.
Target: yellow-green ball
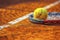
x: 40, y: 13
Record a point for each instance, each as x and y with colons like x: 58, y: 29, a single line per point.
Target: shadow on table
x: 52, y: 24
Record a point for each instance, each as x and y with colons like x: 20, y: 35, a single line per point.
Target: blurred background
x: 25, y: 30
x: 12, y: 9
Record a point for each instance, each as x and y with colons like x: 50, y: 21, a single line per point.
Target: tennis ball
x: 40, y: 13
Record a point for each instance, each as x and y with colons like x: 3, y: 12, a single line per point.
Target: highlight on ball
x: 40, y: 14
